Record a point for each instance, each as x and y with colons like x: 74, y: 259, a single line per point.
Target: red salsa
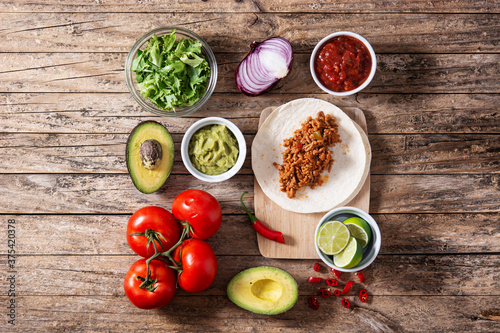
x: 343, y: 63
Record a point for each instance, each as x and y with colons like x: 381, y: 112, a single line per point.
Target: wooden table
x: 433, y: 123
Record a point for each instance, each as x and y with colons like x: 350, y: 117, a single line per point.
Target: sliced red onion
x: 264, y: 66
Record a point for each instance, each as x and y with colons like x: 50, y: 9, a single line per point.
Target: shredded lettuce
x: 171, y: 73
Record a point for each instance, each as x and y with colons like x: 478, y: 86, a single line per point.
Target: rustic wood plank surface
x: 107, y: 273
x: 434, y: 128
x: 217, y: 313
x: 114, y: 193
x: 396, y: 73
x: 386, y: 113
x: 423, y: 233
x: 439, y: 6
x: 106, y: 32
x: 392, y: 154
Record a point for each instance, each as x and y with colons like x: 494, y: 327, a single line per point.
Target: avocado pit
x: 151, y: 154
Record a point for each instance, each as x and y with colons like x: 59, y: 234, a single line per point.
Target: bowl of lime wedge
x: 347, y: 239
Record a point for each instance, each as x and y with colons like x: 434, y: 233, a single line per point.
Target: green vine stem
x: 152, y: 236
x: 147, y: 282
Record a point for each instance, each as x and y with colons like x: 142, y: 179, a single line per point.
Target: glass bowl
x: 318, y: 48
x: 369, y: 253
x: 132, y: 83
x: 242, y: 147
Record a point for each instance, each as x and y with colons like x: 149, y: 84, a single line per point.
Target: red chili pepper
x: 345, y: 303
x: 332, y: 282
x: 324, y: 293
x: 336, y: 292
x: 316, y: 267
x: 314, y: 279
x: 261, y: 228
x: 361, y: 277
x: 363, y: 295
x: 313, y: 302
x: 347, y: 287
x: 336, y: 273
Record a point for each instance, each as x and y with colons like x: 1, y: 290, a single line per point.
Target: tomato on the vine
x: 201, y: 210
x: 155, y: 225
x: 159, y: 293
x: 199, y: 265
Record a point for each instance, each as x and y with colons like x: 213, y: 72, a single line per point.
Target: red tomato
x: 201, y: 210
x: 152, y: 218
x: 199, y: 265
x: 164, y: 288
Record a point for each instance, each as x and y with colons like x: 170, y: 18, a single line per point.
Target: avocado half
x: 150, y: 156
x: 265, y: 290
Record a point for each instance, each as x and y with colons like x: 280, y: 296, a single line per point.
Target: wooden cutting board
x: 298, y: 229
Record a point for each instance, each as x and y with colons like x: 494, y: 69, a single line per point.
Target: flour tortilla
x: 350, y: 168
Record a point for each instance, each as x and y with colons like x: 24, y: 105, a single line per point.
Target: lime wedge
x: 359, y: 229
x: 333, y: 237
x: 351, y: 256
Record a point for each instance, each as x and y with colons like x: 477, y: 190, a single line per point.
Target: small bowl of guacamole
x: 213, y: 149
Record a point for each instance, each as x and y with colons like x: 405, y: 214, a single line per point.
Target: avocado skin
x: 286, y: 280
x: 167, y: 140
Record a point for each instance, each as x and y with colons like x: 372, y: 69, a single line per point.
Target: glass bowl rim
x: 130, y: 79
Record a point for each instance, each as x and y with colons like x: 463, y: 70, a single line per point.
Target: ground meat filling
x: 307, y: 154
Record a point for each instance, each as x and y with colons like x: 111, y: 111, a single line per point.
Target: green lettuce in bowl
x: 171, y: 73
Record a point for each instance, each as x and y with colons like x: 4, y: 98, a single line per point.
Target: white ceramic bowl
x: 369, y: 253
x: 242, y: 147
x: 324, y: 41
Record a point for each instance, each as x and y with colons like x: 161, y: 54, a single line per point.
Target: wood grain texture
x: 431, y: 111
x: 74, y: 153
x: 158, y: 6
x: 106, y: 193
x: 396, y: 73
x: 115, y: 193
x: 217, y: 313
x: 392, y: 154
x: 419, y: 194
x: 423, y: 275
x: 436, y: 154
x: 445, y: 234
x: 58, y: 113
x: 107, y: 32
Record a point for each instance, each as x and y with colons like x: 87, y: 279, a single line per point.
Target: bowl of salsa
x: 343, y: 63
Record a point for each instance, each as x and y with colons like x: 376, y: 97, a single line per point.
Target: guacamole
x: 213, y: 150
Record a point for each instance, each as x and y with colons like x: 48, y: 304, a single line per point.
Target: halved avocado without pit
x: 150, y: 156
x: 265, y: 290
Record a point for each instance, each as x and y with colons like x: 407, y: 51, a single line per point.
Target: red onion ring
x: 264, y: 66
